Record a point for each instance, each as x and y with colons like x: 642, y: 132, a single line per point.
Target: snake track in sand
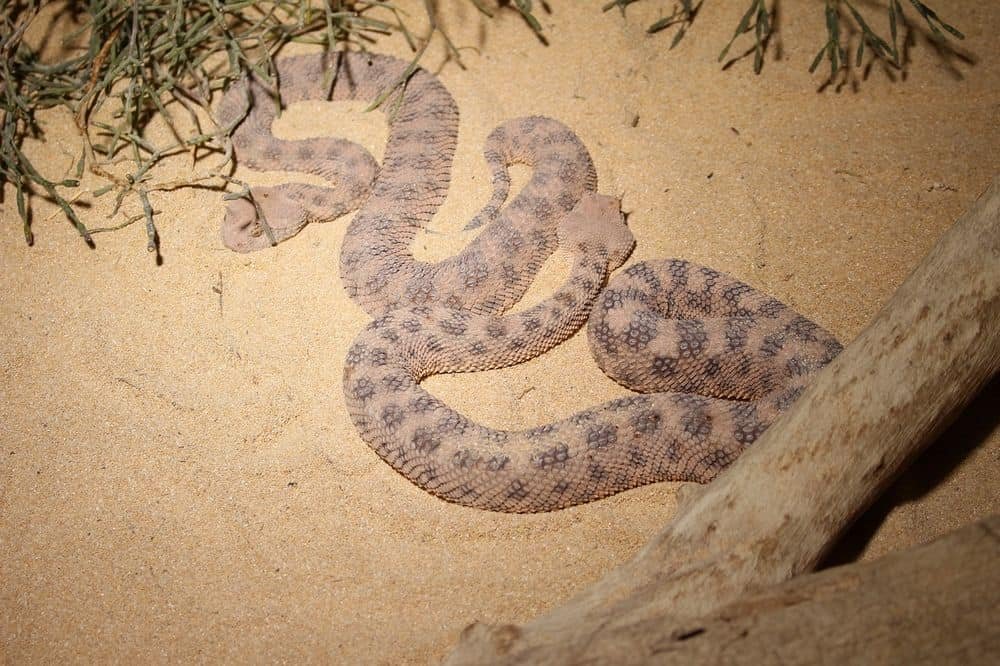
x: 715, y: 360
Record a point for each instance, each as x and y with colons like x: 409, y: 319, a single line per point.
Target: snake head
x: 596, y: 224
x: 242, y: 230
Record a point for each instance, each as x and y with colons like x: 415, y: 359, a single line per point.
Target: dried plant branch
x: 141, y: 58
x: 841, y: 18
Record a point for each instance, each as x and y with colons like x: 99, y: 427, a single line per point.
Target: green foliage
x: 761, y: 28
x: 889, y: 52
x: 132, y: 60
x: 759, y: 20
x: 682, y: 15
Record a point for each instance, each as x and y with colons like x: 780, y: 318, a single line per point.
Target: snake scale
x: 714, y: 360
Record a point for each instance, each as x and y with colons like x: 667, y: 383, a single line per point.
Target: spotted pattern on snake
x: 716, y: 361
x: 399, y: 198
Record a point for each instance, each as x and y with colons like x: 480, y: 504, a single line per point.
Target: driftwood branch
x: 935, y: 604
x: 776, y: 512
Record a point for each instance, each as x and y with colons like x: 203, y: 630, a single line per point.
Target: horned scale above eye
x: 673, y: 328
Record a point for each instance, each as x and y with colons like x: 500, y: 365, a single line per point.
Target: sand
x: 179, y: 478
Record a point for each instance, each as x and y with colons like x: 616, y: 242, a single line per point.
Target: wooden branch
x: 933, y: 604
x: 778, y: 509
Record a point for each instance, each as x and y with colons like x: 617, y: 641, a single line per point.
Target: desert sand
x: 179, y: 478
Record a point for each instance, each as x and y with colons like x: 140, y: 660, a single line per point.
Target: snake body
x: 715, y: 360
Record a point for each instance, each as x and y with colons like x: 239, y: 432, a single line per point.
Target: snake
x: 711, y: 361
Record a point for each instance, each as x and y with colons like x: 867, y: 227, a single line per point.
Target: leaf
x: 80, y: 163
x: 660, y: 24
x: 931, y: 17
x: 524, y: 7
x: 21, y: 210
x: 29, y: 238
x: 817, y: 59
x: 743, y: 26
x: 678, y: 37
x: 764, y: 18
x: 745, y: 21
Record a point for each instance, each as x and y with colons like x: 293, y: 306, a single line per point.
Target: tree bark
x: 777, y: 510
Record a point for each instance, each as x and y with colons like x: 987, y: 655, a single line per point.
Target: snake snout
x: 597, y: 223
x: 243, y: 231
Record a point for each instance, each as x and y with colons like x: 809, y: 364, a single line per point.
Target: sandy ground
x: 179, y: 478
